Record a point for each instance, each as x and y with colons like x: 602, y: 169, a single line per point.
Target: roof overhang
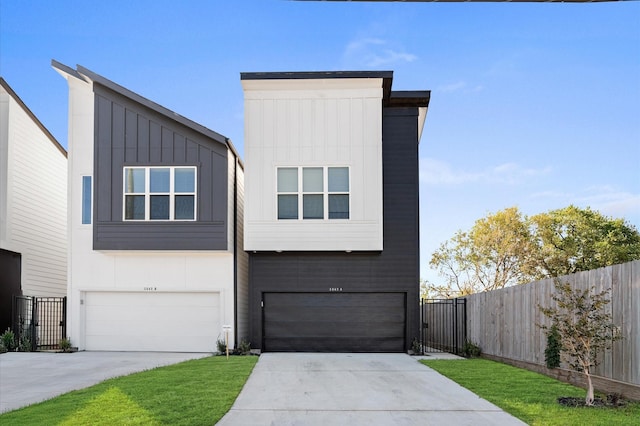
x: 33, y: 117
x: 412, y: 98
x: 390, y: 98
x: 89, y: 76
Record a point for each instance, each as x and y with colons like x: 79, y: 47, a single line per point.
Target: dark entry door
x: 334, y: 322
x: 10, y: 284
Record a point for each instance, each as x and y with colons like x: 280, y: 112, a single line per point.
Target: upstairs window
x: 86, y: 200
x: 317, y: 192
x: 159, y: 193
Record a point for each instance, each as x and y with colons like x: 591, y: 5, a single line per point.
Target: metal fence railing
x: 39, y: 322
x: 444, y: 325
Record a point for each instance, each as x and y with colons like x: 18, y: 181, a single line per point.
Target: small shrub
x: 416, y: 347
x: 25, y: 344
x: 2, y: 348
x: 8, y: 340
x: 222, y: 346
x: 554, y: 346
x: 65, y: 344
x: 471, y: 350
x: 244, y: 347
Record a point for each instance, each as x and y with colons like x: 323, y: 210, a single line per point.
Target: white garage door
x: 167, y: 322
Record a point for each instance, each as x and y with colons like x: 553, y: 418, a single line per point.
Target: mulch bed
x: 612, y: 401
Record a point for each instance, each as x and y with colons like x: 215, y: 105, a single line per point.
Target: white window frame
x: 86, y: 197
x: 147, y: 193
x: 325, y: 193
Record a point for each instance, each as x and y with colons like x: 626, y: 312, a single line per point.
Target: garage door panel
x: 337, y: 329
x: 176, y: 322
x: 318, y: 300
x: 337, y: 314
x: 347, y: 322
x: 345, y: 344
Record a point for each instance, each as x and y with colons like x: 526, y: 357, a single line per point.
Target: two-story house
x: 155, y: 211
x: 331, y: 218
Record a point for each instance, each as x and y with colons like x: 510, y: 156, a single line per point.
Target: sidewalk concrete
x: 356, y: 389
x: 30, y: 377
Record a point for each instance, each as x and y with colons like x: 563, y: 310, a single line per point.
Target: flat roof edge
x: 410, y: 98
x: 313, y: 75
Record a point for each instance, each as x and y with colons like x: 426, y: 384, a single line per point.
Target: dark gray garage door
x: 334, y: 322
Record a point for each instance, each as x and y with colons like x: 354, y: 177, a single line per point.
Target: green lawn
x: 197, y: 392
x: 530, y: 396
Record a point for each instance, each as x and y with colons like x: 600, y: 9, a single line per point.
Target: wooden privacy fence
x: 503, y: 322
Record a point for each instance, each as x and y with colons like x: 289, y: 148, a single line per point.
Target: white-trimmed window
x: 86, y: 200
x: 160, y: 193
x: 313, y: 193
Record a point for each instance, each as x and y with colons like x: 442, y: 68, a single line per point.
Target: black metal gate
x: 444, y: 325
x: 39, y: 322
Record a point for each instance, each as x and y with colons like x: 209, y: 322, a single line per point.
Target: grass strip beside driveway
x: 530, y: 396
x: 196, y: 392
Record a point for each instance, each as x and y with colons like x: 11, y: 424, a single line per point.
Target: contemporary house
x: 156, y: 261
x: 331, y: 217
x: 33, y: 206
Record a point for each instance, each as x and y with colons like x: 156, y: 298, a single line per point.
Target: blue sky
x: 534, y: 105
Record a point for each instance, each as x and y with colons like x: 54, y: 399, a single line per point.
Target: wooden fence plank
x: 505, y: 323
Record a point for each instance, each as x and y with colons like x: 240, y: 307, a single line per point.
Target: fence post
x: 465, y: 321
x: 34, y: 323
x: 455, y: 325
x: 64, y: 317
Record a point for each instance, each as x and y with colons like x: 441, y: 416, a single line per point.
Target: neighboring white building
x: 155, y: 225
x: 33, y: 204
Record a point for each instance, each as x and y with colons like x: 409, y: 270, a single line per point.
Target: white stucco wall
x: 315, y: 122
x: 33, y: 200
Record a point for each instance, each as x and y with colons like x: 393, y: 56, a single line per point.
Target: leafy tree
x: 570, y: 240
x: 488, y: 257
x: 583, y: 326
x: 428, y: 290
x: 507, y: 248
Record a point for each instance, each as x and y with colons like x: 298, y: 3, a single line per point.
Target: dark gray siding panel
x: 130, y: 134
x: 394, y: 270
x: 150, y: 236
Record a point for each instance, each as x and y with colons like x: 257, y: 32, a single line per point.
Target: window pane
x: 159, y: 180
x: 312, y: 207
x: 338, y: 179
x: 133, y: 180
x: 288, y: 179
x: 134, y: 207
x: 312, y: 179
x: 86, y: 199
x: 159, y: 207
x: 184, y: 207
x: 185, y: 180
x: 287, y: 206
x: 338, y: 206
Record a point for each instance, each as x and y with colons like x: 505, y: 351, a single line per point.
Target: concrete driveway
x: 30, y: 377
x: 356, y: 389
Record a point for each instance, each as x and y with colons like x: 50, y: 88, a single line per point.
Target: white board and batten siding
x: 305, y: 123
x: 33, y: 199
